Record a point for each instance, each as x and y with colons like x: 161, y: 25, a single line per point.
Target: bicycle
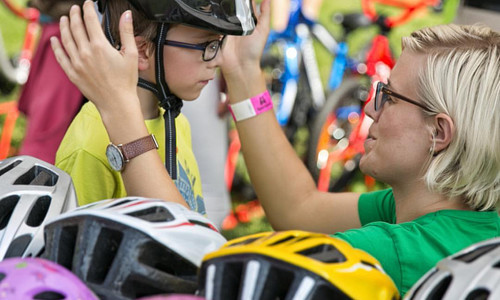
x: 14, y: 72
x: 294, y: 80
x: 341, y: 126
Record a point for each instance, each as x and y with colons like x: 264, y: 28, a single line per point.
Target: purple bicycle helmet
x: 132, y: 247
x: 36, y: 278
x: 31, y: 192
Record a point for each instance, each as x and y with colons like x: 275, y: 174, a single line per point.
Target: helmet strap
x: 168, y: 101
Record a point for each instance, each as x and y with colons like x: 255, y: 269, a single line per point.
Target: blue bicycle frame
x: 294, y: 42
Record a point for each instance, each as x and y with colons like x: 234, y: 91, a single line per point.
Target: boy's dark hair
x: 54, y: 8
x: 142, y: 25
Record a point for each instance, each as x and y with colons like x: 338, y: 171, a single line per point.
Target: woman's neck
x: 416, y: 200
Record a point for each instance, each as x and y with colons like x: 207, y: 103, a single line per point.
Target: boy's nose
x: 217, y: 61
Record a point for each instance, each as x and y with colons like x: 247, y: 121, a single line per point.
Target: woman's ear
x: 143, y: 52
x: 444, y: 131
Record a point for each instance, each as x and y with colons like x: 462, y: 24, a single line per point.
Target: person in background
x: 48, y: 99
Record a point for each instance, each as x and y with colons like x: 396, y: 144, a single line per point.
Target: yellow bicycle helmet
x: 294, y: 265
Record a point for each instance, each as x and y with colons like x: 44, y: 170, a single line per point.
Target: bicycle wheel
x: 332, y: 130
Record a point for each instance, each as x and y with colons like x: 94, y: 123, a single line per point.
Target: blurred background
x: 246, y: 215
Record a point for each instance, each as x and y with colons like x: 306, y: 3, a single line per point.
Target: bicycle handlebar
x: 408, y: 9
x: 19, y: 73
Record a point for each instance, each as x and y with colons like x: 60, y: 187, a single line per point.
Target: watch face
x: 115, y: 157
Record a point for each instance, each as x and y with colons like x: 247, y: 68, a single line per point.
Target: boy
x: 191, y: 60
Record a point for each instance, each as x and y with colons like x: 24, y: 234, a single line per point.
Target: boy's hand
x: 102, y: 73
x: 242, y: 54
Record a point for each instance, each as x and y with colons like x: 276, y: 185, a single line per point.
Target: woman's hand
x: 242, y: 54
x: 106, y: 76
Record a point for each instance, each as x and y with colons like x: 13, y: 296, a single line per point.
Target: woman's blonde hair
x: 462, y: 79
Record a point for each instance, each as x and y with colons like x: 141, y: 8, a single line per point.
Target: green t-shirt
x: 82, y: 154
x: 408, y: 250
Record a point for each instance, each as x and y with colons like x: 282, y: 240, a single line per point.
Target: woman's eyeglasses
x: 209, y: 48
x: 383, y: 93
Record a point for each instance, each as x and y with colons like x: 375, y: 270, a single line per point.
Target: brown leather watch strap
x: 138, y: 147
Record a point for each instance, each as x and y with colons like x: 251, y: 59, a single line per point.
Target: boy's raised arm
x: 108, y: 78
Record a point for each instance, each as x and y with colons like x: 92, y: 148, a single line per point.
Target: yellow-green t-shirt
x: 82, y: 154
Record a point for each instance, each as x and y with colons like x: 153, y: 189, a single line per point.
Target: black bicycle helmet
x: 471, y: 274
x: 234, y: 17
x: 294, y: 265
x: 31, y: 192
x: 132, y: 247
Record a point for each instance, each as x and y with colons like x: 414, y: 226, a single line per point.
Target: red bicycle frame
x: 379, y: 61
x: 32, y: 16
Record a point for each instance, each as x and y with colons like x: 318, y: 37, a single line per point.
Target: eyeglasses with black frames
x: 209, y: 48
x: 383, y: 94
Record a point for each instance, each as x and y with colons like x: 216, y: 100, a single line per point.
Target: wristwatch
x: 119, y: 155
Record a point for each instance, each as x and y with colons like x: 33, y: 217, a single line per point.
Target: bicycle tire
x: 348, y: 98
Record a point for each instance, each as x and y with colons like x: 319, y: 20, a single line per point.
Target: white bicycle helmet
x: 31, y: 192
x: 132, y: 247
x: 471, y: 274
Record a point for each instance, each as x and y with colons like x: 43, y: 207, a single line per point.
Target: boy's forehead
x: 196, y: 32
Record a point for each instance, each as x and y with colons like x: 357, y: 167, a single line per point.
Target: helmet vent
x: 231, y: 277
x: 9, y: 167
x: 283, y: 240
x: 163, y: 259
x: 38, y: 175
x: 200, y: 223
x: 49, y: 296
x: 2, y: 276
x: 424, y: 281
x: 324, y: 253
x: 153, y: 214
x: 328, y: 292
x: 277, y: 289
x: 440, y: 289
x: 39, y: 211
x: 66, y: 249
x: 18, y: 246
x: 7, y: 206
x: 478, y: 294
x: 120, y: 202
x: 497, y: 265
x: 244, y: 242
x: 364, y: 262
x: 108, y: 242
x: 473, y: 255
x: 134, y: 288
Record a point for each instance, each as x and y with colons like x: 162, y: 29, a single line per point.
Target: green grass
x: 12, y: 30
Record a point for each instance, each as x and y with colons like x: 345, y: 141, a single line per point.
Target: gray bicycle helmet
x: 132, y: 247
x: 31, y: 192
x: 471, y: 274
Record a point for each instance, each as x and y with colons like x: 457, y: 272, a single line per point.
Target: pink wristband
x: 251, y: 107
